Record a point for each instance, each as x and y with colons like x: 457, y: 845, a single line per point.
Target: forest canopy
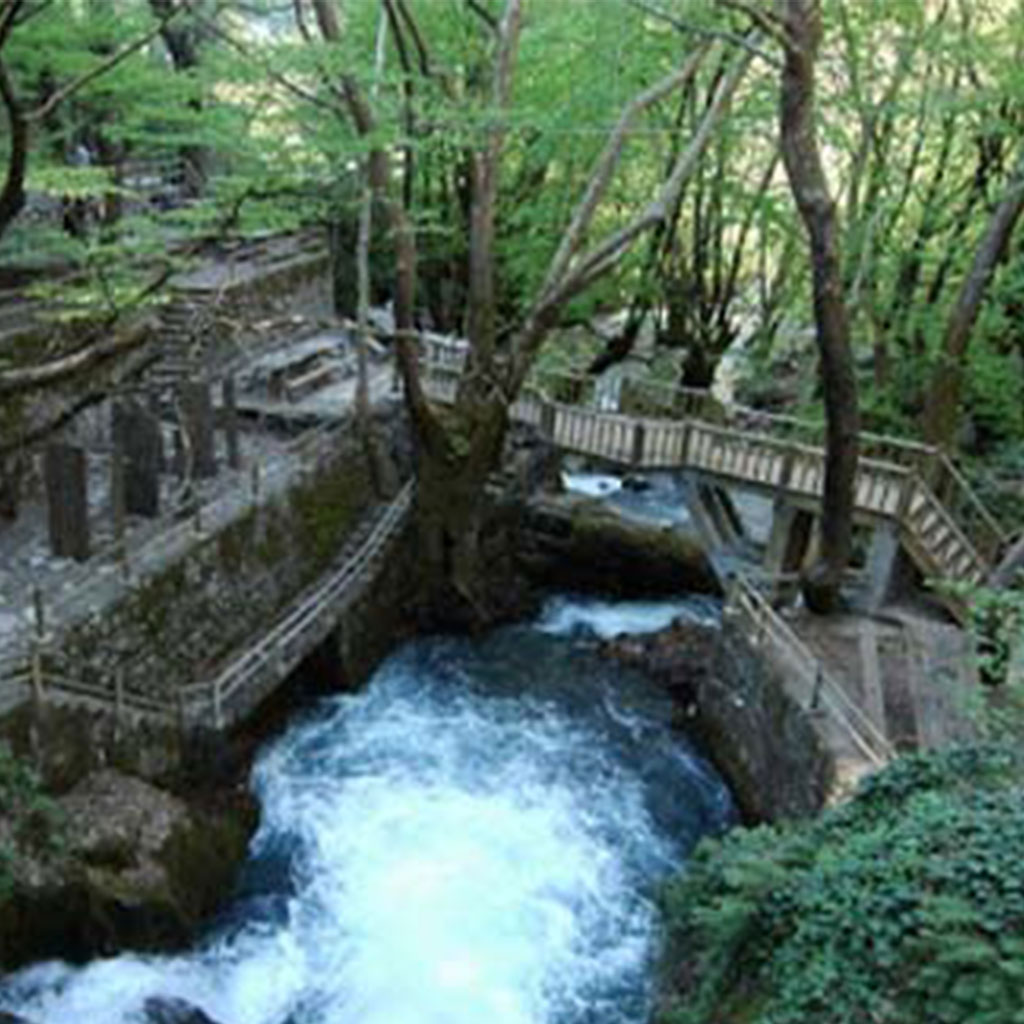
x: 615, y: 168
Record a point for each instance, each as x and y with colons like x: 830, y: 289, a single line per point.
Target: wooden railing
x: 949, y: 530
x: 815, y: 687
x: 241, y: 683
x: 219, y: 702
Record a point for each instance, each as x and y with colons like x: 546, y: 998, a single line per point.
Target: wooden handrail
x: 903, y: 461
x: 198, y: 700
x: 830, y: 695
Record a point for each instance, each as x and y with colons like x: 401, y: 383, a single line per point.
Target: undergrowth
x: 903, y: 906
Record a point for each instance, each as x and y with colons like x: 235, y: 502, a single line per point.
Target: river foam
x: 475, y: 837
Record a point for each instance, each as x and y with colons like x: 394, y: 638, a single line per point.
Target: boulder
x: 733, y: 702
x: 134, y: 867
x: 575, y: 543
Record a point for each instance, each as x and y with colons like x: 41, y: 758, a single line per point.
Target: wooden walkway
x: 943, y: 524
x: 257, y: 670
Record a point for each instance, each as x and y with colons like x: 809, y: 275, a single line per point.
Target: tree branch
x: 60, y: 95
x: 688, y: 27
x: 764, y: 20
x: 12, y: 195
x: 483, y: 14
x: 34, y: 377
x: 271, y: 72
x: 8, y: 12
x: 608, y: 162
x: 607, y: 254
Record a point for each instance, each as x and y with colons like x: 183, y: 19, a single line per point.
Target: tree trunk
x: 183, y: 44
x: 801, y: 20
x: 451, y: 508
x: 943, y: 401
x: 12, y: 196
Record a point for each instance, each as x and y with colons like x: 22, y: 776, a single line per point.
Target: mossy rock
x: 140, y: 869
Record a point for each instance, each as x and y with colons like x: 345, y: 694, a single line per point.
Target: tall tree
x: 458, y: 448
x: 797, y: 24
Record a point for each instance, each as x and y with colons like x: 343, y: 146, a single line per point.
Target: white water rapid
x: 476, y: 838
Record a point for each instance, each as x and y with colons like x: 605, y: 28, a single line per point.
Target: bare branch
x: 688, y: 27
x: 483, y: 14
x: 8, y: 12
x: 608, y: 253
x: 485, y: 169
x: 34, y: 377
x: 764, y: 20
x: 422, y: 53
x: 271, y: 72
x: 607, y: 163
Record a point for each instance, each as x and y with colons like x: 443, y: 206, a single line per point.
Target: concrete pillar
x: 230, y: 422
x: 154, y: 410
x: 882, y: 562
x: 67, y: 498
x: 178, y: 454
x: 790, y: 539
x: 197, y: 409
x: 138, y: 439
x: 117, y: 499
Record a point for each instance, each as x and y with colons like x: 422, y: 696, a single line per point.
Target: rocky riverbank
x: 115, y: 863
x: 733, y: 703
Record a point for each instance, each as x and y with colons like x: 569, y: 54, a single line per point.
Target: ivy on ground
x: 904, y: 905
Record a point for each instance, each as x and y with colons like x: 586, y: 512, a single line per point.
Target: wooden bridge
x: 910, y: 488
x: 942, y: 522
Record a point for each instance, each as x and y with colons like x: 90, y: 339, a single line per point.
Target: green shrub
x: 30, y: 822
x: 905, y: 905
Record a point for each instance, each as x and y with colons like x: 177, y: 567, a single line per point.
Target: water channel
x: 475, y: 838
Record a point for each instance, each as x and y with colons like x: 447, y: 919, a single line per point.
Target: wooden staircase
x: 943, y: 524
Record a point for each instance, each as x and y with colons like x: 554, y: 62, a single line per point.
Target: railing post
x: 906, y: 493
x: 639, y: 442
x: 254, y: 481
x: 39, y: 613
x: 819, y: 682
x: 118, y: 697
x: 218, y: 707
x: 787, y: 471
x: 37, y: 672
x: 182, y: 713
x: 547, y: 419
x: 39, y: 635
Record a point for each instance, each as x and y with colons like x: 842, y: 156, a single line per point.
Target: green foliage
x: 30, y: 821
x: 903, y: 906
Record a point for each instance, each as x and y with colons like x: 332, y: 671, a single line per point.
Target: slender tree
x: 797, y: 25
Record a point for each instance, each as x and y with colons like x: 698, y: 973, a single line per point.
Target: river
x: 475, y: 838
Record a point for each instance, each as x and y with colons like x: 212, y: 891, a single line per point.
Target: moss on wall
x: 175, y: 627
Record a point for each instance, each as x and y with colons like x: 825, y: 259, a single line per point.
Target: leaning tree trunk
x: 801, y: 21
x: 943, y: 401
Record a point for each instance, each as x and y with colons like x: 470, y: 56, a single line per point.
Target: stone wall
x: 179, y: 624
